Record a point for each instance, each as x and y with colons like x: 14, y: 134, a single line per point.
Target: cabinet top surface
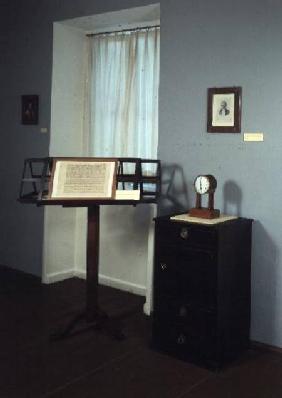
x: 184, y: 219
x: 196, y: 220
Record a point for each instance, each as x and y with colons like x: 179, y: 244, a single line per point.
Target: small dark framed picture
x: 30, y: 108
x: 224, y: 110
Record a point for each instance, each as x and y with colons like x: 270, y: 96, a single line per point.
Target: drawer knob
x: 183, y: 311
x: 184, y: 233
x: 181, y: 339
x: 163, y: 266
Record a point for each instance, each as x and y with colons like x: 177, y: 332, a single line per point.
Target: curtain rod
x: 122, y: 31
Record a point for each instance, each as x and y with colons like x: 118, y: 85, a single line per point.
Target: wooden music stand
x: 39, y: 173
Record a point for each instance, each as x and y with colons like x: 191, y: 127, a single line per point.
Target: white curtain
x: 124, y: 82
x: 121, y: 120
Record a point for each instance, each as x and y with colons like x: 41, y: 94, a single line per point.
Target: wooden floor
x: 93, y: 364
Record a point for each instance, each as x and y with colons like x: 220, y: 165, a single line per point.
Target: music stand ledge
x: 37, y: 174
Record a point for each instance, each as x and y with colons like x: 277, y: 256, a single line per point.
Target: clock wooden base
x: 204, y: 212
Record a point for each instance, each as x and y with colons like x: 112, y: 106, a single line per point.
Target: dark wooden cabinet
x: 202, y: 290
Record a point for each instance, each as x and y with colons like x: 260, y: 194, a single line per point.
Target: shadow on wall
x: 174, y: 195
x: 130, y: 217
x: 265, y: 261
x: 265, y: 307
x: 232, y: 197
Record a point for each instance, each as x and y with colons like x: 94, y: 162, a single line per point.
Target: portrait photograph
x: 224, y: 110
x: 30, y: 109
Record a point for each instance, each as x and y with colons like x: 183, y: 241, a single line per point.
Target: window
x: 124, y: 81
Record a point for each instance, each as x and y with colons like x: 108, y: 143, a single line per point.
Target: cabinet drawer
x: 184, y: 343
x: 189, y: 275
x: 183, y: 234
x: 176, y: 312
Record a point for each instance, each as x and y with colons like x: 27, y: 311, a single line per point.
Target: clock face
x: 202, y: 184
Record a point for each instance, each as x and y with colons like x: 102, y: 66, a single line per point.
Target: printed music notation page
x: 83, y: 179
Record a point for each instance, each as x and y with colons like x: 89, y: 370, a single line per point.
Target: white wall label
x: 253, y: 137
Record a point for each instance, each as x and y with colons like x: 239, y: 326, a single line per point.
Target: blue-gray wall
x: 203, y: 44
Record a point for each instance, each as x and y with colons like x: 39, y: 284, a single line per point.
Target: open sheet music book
x: 83, y: 179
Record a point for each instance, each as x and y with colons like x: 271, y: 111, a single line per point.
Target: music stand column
x: 92, y: 265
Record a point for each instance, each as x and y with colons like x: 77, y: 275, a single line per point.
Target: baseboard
x: 80, y: 274
x: 103, y: 280
x: 57, y: 277
x: 116, y: 283
x: 265, y: 347
x: 122, y: 285
x: 147, y: 309
x: 19, y: 271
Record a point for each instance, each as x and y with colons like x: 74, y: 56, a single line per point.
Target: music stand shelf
x: 37, y: 174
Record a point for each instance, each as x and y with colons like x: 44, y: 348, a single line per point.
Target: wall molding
x: 265, y: 347
x: 57, y: 277
x: 116, y: 283
x: 103, y: 280
x: 122, y: 285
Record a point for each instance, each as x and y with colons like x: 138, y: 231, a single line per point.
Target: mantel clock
x: 205, y: 184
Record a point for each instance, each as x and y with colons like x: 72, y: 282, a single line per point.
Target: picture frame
x: 224, y: 110
x: 83, y: 179
x: 30, y: 109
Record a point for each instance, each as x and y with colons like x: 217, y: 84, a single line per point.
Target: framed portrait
x: 30, y: 107
x: 224, y: 110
